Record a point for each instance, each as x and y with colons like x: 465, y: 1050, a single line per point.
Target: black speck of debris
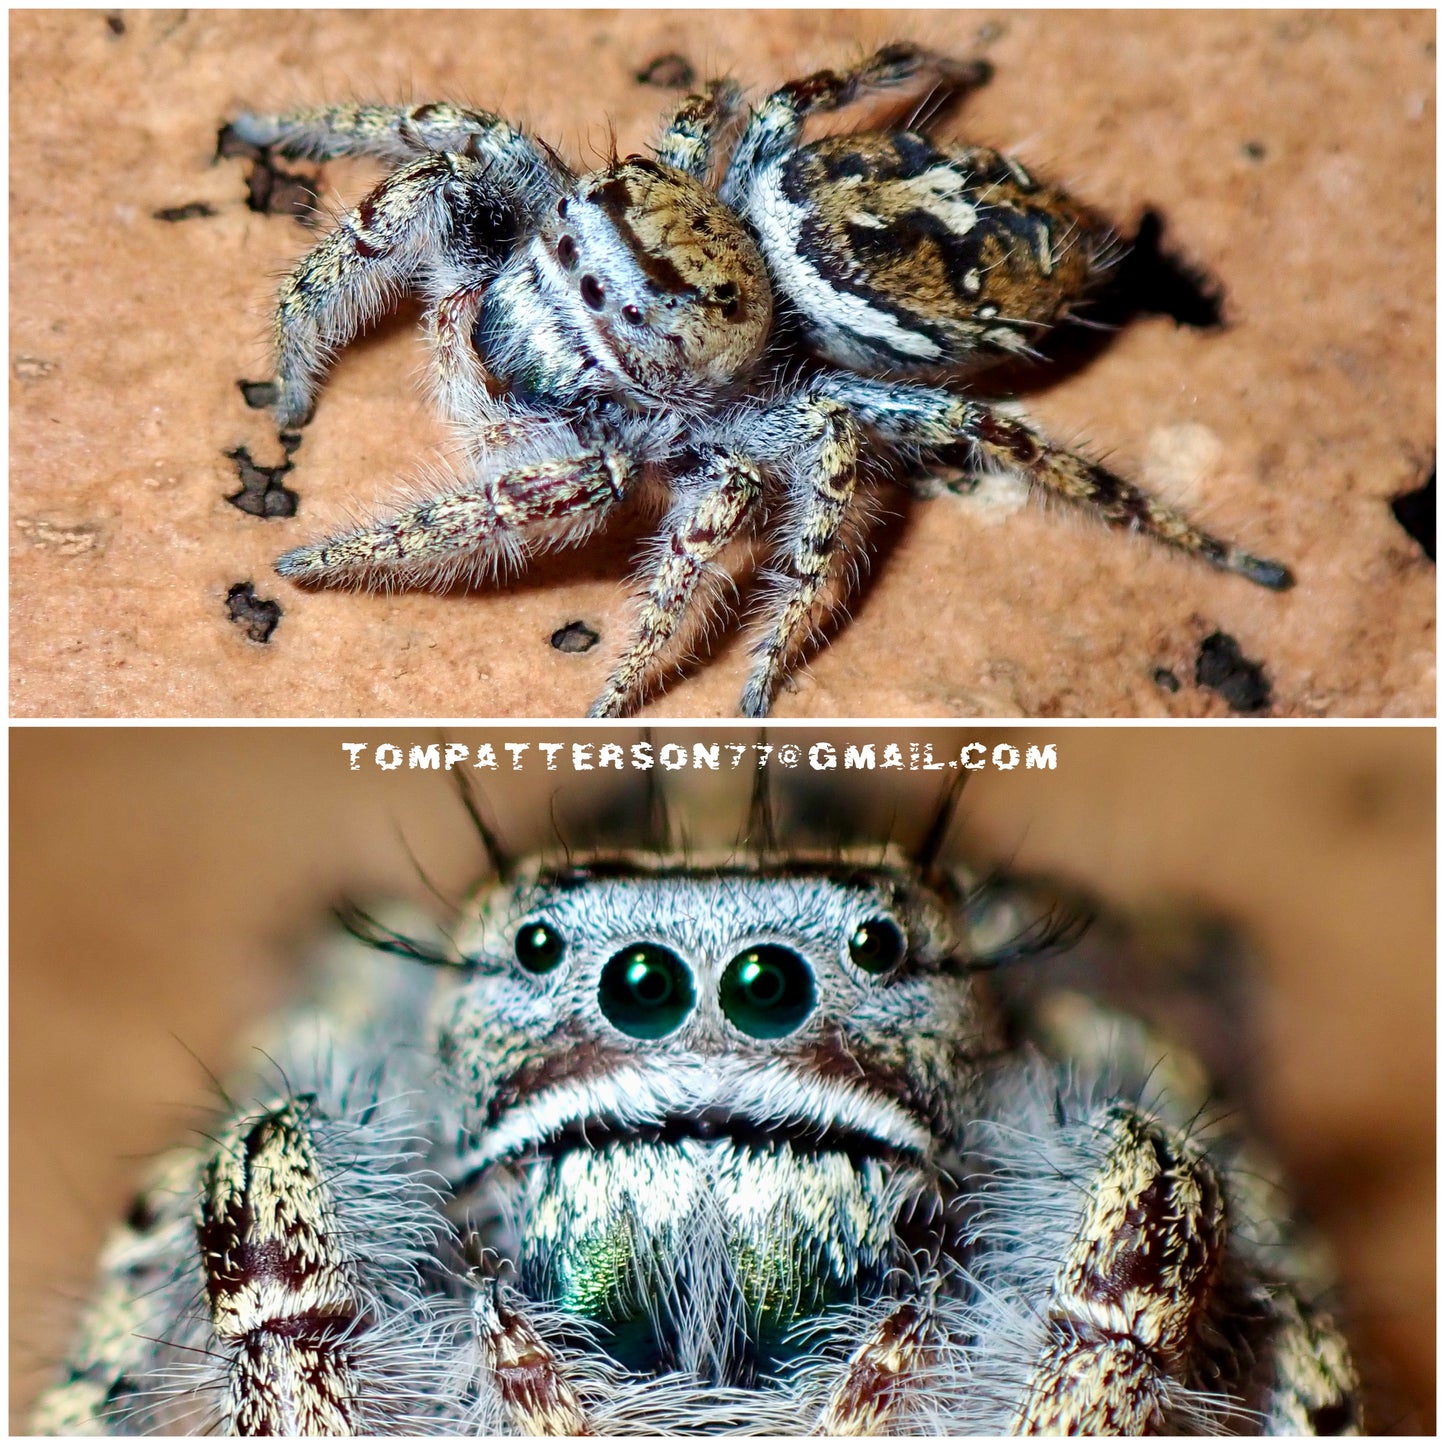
x: 228, y: 144
x: 1253, y: 150
x: 1224, y: 668
x: 1151, y: 281
x: 270, y: 190
x: 1415, y: 512
x: 575, y: 637
x: 258, y: 615
x: 258, y: 394
x: 192, y: 211
x: 115, y: 22
x: 262, y: 493
x: 669, y: 72
x: 1164, y: 678
x: 990, y: 31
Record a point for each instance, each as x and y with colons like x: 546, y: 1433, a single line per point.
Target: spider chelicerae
x: 755, y: 330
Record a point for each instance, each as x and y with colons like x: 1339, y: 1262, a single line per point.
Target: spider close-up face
x: 755, y: 331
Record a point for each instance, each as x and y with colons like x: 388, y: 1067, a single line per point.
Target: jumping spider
x: 760, y: 330
x: 643, y: 1144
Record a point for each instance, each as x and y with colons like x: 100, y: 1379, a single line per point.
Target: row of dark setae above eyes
x: 767, y: 991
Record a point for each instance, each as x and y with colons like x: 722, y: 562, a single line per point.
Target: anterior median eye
x: 767, y: 992
x: 539, y: 947
x: 646, y: 991
x: 877, y: 946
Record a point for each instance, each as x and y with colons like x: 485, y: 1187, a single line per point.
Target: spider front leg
x: 393, y: 133
x: 375, y: 251
x: 485, y: 526
x: 714, y: 511
x: 285, y: 1299
x: 967, y: 433
x: 1128, y: 1299
x: 823, y: 481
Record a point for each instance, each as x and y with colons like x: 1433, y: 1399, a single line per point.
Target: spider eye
x: 877, y: 945
x: 562, y: 208
x: 592, y: 293
x: 567, y: 251
x: 632, y: 315
x: 767, y: 991
x: 539, y: 947
x: 646, y: 991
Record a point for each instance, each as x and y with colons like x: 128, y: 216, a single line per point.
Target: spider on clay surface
x: 756, y: 332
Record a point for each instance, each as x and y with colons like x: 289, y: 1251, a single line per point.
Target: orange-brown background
x: 1291, y: 154
x: 161, y: 878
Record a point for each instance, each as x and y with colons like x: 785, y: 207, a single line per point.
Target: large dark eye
x: 591, y: 289
x: 767, y: 992
x: 877, y: 946
x: 539, y: 947
x: 646, y: 991
x: 567, y: 251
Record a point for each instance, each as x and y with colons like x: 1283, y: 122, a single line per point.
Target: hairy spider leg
x: 713, y: 509
x: 1129, y: 1298
x: 349, y: 278
x: 395, y: 134
x: 474, y: 528
x: 692, y: 133
x: 822, y: 496
x: 965, y: 433
x: 285, y: 1299
x: 777, y: 122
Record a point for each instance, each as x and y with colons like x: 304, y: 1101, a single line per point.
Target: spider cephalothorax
x: 765, y: 329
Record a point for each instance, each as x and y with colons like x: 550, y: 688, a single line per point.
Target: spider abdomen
x: 908, y: 259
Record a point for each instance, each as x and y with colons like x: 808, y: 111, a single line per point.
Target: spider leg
x: 524, y: 508
x: 824, y: 495
x: 774, y: 126
x: 1132, y: 1290
x: 528, y: 1377
x: 711, y: 514
x: 967, y: 433
x: 881, y: 1376
x: 374, y: 252
x: 690, y: 138
x: 396, y: 134
x: 284, y: 1297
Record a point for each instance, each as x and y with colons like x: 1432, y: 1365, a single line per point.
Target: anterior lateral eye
x: 567, y: 251
x: 592, y: 293
x: 539, y: 947
x: 877, y: 945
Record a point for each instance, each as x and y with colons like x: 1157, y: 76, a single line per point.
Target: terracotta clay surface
x: 162, y: 881
x: 1291, y: 156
